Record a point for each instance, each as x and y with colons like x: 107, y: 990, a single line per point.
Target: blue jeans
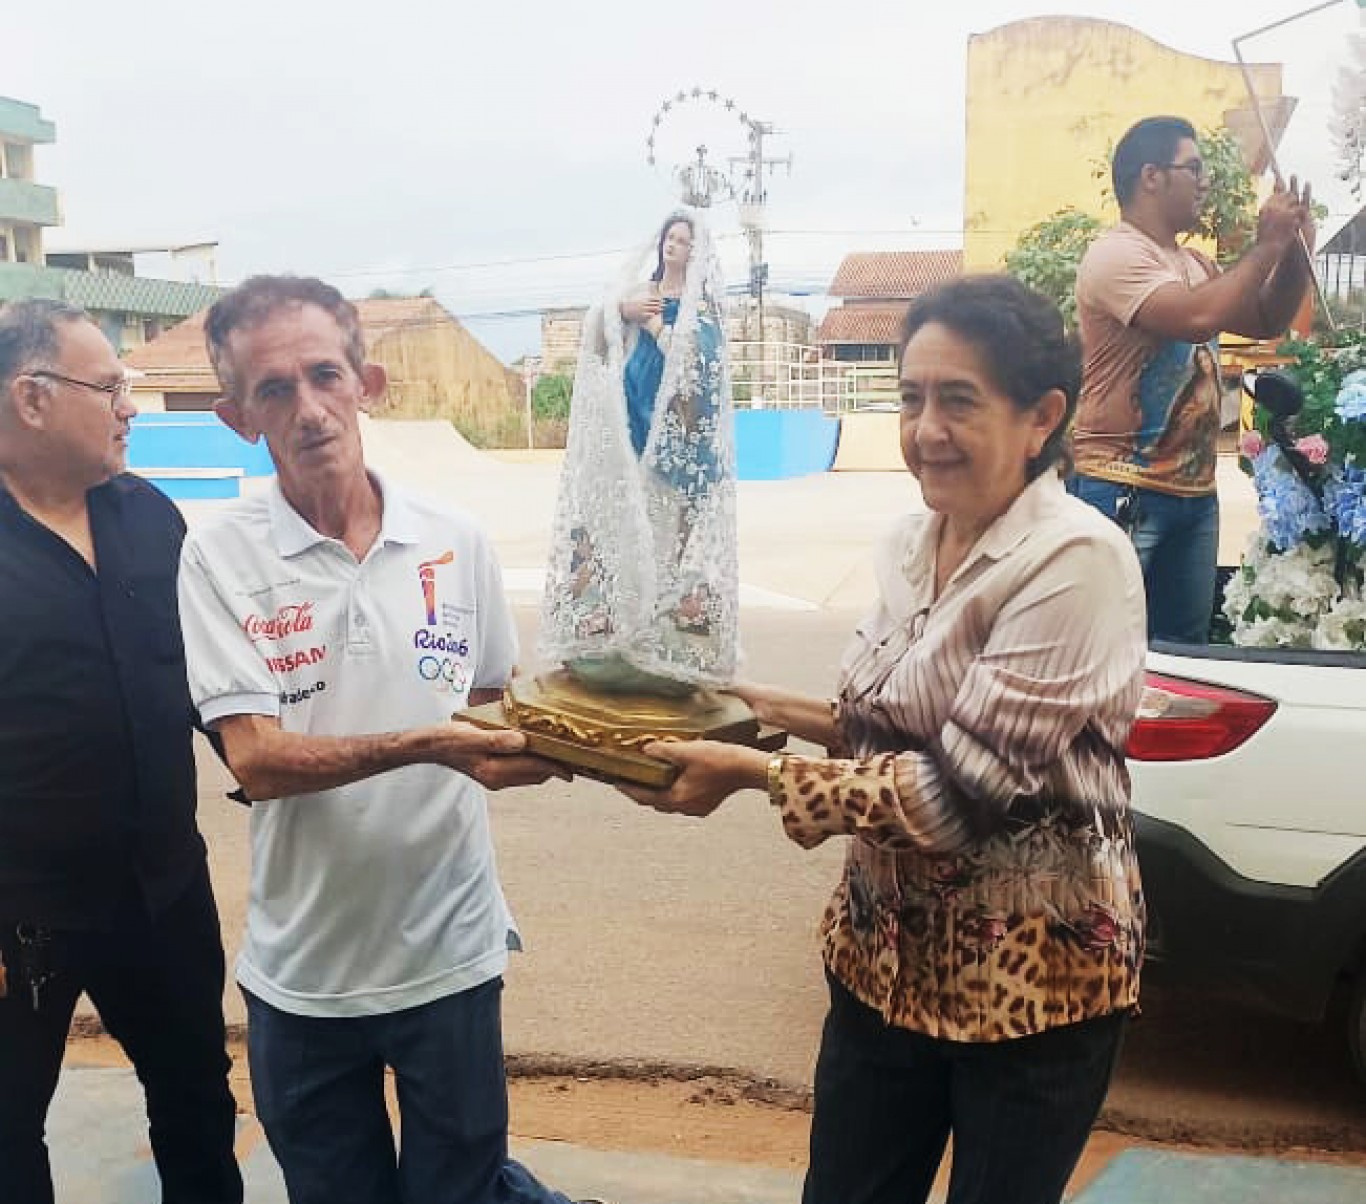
x: 319, y: 1089
x: 887, y: 1100
x: 1177, y: 541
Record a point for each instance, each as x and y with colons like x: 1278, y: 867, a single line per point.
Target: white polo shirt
x: 383, y: 894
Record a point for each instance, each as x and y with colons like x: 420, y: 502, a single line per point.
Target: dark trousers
x: 887, y: 1100
x: 319, y: 1088
x: 157, y: 984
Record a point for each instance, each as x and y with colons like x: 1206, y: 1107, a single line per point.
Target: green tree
x: 550, y: 398
x: 1047, y: 255
x: 1230, y: 217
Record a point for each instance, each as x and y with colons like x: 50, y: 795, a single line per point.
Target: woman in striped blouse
x: 983, y: 945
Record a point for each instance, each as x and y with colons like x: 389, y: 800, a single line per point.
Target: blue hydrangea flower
x: 1288, y: 507
x: 1351, y: 403
x: 1344, y: 498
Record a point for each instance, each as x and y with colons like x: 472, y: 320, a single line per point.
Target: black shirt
x: 97, y: 777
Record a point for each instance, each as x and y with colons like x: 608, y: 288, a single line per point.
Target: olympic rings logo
x: 446, y: 673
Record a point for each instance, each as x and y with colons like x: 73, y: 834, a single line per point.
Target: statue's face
x: 677, y: 245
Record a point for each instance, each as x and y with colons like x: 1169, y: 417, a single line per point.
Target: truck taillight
x: 1181, y: 720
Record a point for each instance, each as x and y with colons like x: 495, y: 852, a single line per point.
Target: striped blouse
x: 991, y: 889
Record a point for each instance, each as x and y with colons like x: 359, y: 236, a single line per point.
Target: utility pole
x: 531, y: 373
x: 702, y: 185
x: 753, y: 200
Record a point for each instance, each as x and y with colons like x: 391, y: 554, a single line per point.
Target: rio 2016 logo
x: 445, y: 672
x: 432, y: 641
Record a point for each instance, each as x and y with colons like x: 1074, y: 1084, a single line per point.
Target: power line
x: 476, y: 265
x: 593, y: 282
x: 564, y: 256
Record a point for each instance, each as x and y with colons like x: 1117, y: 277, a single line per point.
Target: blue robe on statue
x: 642, y: 585
x: 641, y: 378
x: 642, y: 375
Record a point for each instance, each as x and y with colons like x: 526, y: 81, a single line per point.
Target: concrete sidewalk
x: 98, y: 1138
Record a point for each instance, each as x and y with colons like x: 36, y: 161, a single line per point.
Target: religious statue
x: 641, y: 604
x: 642, y: 586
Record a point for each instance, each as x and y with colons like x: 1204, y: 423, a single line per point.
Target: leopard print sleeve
x: 892, y: 800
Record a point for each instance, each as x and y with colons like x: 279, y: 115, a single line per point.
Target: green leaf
x: 1047, y: 256
x: 551, y: 396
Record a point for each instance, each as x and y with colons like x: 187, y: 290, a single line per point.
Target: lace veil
x: 642, y: 585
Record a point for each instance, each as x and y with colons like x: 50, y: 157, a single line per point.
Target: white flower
x: 1272, y: 633
x: 1296, y: 586
x: 1343, y: 628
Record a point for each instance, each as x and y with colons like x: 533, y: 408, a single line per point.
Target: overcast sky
x: 495, y: 152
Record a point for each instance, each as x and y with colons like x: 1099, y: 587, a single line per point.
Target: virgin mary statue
x: 642, y: 589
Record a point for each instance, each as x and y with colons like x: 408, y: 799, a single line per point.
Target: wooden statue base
x: 600, y: 734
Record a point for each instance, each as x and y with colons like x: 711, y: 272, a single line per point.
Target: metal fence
x: 790, y: 375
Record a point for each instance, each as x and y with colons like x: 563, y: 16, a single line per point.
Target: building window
x: 863, y: 353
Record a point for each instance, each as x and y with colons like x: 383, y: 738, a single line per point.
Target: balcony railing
x: 785, y: 375
x: 24, y: 122
x: 25, y: 201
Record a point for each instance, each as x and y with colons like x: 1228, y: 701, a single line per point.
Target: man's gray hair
x: 258, y: 298
x: 29, y: 334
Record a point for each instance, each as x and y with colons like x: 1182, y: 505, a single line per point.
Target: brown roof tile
x: 863, y: 322
x: 894, y: 275
x: 174, y: 362
x: 381, y: 316
x: 178, y: 361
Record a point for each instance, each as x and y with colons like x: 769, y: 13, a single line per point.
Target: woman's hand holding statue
x: 709, y: 772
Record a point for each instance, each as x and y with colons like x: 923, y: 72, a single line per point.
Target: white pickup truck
x: 1251, y: 822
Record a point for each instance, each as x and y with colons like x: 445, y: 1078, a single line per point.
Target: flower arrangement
x: 1300, y: 584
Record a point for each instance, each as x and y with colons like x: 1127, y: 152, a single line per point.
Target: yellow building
x: 1047, y: 99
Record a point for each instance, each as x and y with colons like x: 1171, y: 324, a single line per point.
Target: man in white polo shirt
x: 332, y: 626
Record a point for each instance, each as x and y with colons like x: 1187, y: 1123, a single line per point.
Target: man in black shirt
x: 104, y: 884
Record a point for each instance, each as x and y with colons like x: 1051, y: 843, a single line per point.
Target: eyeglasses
x: 1195, y: 166
x: 117, y: 392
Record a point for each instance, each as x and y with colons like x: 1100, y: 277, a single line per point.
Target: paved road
x: 658, y: 940
x: 655, y: 939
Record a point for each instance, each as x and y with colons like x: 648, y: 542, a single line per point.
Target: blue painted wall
x: 193, y: 440
x: 197, y: 487
x: 771, y: 445
x: 197, y: 441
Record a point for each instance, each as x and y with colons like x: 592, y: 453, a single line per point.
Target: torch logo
x: 426, y: 573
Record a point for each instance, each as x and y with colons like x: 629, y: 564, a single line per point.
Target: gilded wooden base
x: 601, y: 734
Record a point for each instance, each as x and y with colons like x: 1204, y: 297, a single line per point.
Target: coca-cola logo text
x: 287, y: 621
